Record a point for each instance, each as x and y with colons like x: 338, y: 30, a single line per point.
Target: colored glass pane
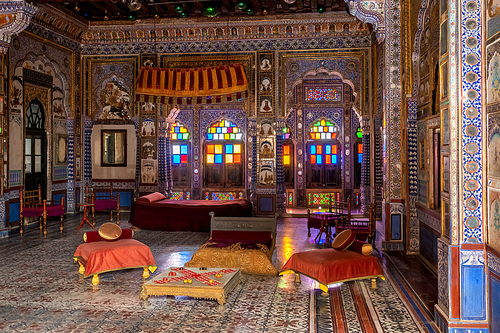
x: 286, y: 160
x: 360, y: 148
x: 360, y: 158
x: 237, y: 149
x: 313, y: 150
x: 176, y: 149
x: 328, y: 159
x: 286, y: 150
x: 218, y: 159
x: 224, y: 130
x: 313, y: 159
x: 319, y: 150
x: 210, y: 149
x: 218, y: 149
x: 210, y: 158
x: 319, y: 159
x: 334, y: 159
x: 179, y: 132
x: 237, y: 158
x: 229, y: 149
x: 229, y: 159
x: 334, y: 149
x: 323, y: 94
x: 184, y: 159
x: 359, y: 133
x: 328, y: 149
x: 184, y: 149
x: 176, y: 159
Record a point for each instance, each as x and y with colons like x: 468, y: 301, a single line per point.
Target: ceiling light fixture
x: 77, y: 9
x: 290, y: 1
x: 321, y: 9
x: 134, y: 5
x: 211, y: 10
x: 241, y: 4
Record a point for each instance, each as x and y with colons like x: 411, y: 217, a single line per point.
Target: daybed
x: 100, y: 254
x: 246, y: 243
x: 154, y: 212
x: 348, y: 260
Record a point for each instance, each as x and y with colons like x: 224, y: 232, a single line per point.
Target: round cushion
x: 110, y: 231
x: 361, y: 247
x: 343, y: 240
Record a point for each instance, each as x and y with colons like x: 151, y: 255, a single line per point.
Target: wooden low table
x: 210, y: 283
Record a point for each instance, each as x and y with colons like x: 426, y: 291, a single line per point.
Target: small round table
x: 325, y: 227
x: 85, y: 219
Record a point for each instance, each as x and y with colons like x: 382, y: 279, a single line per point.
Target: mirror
x: 113, y: 148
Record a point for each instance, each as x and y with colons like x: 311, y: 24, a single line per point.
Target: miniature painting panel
x: 266, y: 105
x: 444, y: 81
x: 57, y: 102
x: 148, y: 60
x: 148, y: 171
x: 424, y: 92
x: 494, y: 218
x: 115, y: 99
x: 445, y: 126
x: 444, y: 37
x: 446, y: 174
x: 148, y: 126
x: 148, y: 107
x: 265, y: 63
x: 493, y: 80
x: 492, y: 17
x: 266, y: 84
x: 494, y: 145
x: 148, y: 148
x: 266, y: 149
x: 266, y: 174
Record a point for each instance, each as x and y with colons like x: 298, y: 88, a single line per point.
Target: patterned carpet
x: 41, y: 291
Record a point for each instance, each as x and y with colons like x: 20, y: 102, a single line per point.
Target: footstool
x: 102, y: 256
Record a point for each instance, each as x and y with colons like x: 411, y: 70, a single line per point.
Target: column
x: 280, y: 176
x: 365, y: 166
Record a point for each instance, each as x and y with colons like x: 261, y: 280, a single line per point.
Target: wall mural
x: 494, y: 145
x: 115, y: 99
x: 492, y: 17
x: 494, y: 218
x: 149, y: 171
x: 493, y: 80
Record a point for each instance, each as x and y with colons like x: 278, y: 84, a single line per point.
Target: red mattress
x: 184, y: 215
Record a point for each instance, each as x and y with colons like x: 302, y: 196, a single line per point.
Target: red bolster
x: 93, y: 236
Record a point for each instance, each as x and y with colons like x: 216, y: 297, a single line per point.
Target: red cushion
x: 258, y: 236
x: 343, y: 240
x: 93, y: 236
x: 156, y: 196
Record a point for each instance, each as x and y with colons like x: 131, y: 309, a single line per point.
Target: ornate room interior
x: 289, y: 104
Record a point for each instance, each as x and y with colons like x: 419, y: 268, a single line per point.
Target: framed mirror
x: 113, y: 148
x: 61, y: 151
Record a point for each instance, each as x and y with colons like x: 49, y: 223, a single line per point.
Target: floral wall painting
x: 148, y: 127
x: 266, y: 174
x: 77, y: 168
x: 148, y: 171
x: 494, y: 218
x: 266, y: 105
x: 148, y: 149
x: 148, y: 107
x: 115, y: 99
x: 493, y: 80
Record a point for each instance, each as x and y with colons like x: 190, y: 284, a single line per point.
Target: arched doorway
x: 35, y: 148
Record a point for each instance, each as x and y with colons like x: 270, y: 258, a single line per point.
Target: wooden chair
x: 32, y: 205
x: 363, y: 229
x: 104, y: 199
x: 338, y: 207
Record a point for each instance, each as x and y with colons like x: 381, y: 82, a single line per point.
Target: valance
x: 204, y: 85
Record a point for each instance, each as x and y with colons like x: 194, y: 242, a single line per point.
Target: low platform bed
x: 246, y: 243
x: 155, y: 212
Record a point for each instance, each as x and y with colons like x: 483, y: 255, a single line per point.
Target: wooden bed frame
x: 252, y: 261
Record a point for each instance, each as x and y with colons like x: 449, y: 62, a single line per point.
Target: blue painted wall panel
x: 473, y: 293
x: 14, y: 212
x: 125, y: 198
x: 495, y: 305
x: 57, y: 198
x: 396, y: 226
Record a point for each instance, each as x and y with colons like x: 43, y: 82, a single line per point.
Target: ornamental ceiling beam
x: 15, y: 15
x: 371, y: 11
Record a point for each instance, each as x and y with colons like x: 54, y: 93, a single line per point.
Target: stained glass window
x: 323, y: 94
x: 179, y: 154
x: 286, y: 133
x: 228, y: 153
x: 359, y: 133
x: 324, y: 130
x: 179, y: 132
x: 323, y: 154
x: 224, y: 130
x: 360, y: 153
x: 286, y: 154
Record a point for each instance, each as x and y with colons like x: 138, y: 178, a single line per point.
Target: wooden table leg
x: 374, y: 283
x: 145, y: 273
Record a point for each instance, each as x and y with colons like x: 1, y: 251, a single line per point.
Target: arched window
x: 324, y: 154
x: 35, y: 147
x: 34, y: 116
x: 181, y: 157
x: 358, y: 158
x: 288, y: 157
x: 224, y: 154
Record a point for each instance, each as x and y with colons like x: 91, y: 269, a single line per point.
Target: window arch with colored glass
x: 180, y: 151
x: 323, y: 151
x: 358, y: 158
x: 288, y: 157
x: 224, y: 152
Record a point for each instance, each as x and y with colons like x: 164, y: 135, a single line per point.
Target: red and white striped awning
x: 204, y: 85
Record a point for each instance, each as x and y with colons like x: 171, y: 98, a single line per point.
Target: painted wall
x: 126, y: 172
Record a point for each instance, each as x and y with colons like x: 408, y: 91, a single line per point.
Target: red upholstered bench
x: 102, y: 256
x: 329, y: 266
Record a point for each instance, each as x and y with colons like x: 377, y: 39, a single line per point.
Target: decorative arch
x: 370, y: 12
x: 416, y: 46
x: 15, y: 16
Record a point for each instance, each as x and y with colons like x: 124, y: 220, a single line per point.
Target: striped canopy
x: 204, y: 85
